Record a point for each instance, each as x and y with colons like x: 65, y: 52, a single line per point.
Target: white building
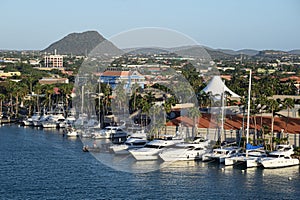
x: 54, y: 61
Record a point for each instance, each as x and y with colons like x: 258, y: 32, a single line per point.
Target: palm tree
x: 38, y: 90
x: 2, y: 97
x: 194, y: 113
x: 49, y: 90
x: 17, y: 90
x: 66, y: 90
x: 157, y: 122
x: 289, y: 104
x: 273, y: 106
x: 134, y: 89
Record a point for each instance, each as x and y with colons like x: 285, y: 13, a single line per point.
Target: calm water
x: 40, y: 164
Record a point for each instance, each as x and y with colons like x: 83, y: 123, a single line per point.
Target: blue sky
x: 233, y: 24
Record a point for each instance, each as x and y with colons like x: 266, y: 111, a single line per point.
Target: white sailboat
x: 253, y: 153
x: 219, y: 154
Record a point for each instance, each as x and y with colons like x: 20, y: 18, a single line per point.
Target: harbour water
x: 42, y: 164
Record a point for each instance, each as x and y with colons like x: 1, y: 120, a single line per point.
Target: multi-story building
x: 54, y: 61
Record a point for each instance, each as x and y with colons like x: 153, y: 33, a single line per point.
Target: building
x: 46, y: 80
x: 129, y: 78
x: 9, y: 74
x: 53, y: 61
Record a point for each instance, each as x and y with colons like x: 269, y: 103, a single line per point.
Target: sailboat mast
x: 222, y: 112
x: 248, y: 107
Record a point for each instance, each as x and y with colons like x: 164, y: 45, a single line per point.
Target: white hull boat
x: 220, y: 154
x: 153, y: 148
x: 281, y: 157
x: 185, y: 151
x: 107, y: 132
x: 250, y: 160
x: 135, y: 141
x: 280, y: 161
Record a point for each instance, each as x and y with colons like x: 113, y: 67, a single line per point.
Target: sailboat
x: 253, y: 153
x: 220, y: 154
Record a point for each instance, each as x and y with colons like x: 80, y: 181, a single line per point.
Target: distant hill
x: 80, y: 44
x: 86, y: 42
x: 146, y: 50
x: 248, y: 52
x: 295, y: 51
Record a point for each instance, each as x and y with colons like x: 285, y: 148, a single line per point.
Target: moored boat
x: 281, y: 157
x: 135, y: 141
x: 219, y: 154
x: 153, y: 148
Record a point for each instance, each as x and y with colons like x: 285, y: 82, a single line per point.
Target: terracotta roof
x: 290, y: 125
x: 294, y: 78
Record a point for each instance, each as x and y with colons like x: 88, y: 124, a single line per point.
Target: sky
x: 230, y: 24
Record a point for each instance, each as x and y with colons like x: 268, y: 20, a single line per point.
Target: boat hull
x: 279, y: 162
x: 171, y: 155
x: 145, y: 154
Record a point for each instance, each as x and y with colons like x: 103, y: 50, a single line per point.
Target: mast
x: 222, y: 112
x: 248, y: 107
x: 82, y: 98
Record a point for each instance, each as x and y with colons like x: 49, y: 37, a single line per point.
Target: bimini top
x: 216, y: 86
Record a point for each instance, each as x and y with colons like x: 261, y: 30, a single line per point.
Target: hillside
x: 77, y: 43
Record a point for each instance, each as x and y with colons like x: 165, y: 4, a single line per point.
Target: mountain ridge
x: 83, y: 43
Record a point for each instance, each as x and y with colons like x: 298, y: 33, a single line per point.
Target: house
x: 129, y: 78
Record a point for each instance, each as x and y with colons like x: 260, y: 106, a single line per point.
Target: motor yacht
x: 135, y: 141
x: 219, y: 154
x: 281, y: 157
x: 153, y: 148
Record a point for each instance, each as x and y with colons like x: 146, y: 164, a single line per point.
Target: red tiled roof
x: 294, y: 78
x: 116, y: 73
x: 290, y: 125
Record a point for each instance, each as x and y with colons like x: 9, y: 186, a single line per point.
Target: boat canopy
x: 252, y: 147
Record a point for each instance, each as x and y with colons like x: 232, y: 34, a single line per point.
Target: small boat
x: 153, y: 148
x: 135, y: 141
x: 29, y: 121
x: 281, y: 157
x: 107, y: 132
x: 94, y: 148
x: 72, y: 132
x: 219, y: 154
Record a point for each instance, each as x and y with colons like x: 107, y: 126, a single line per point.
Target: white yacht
x: 281, y: 157
x: 153, y: 148
x: 107, y: 132
x: 29, y: 122
x: 220, y: 154
x: 38, y: 122
x: 248, y: 159
x: 52, y: 121
x: 185, y: 151
x: 135, y: 141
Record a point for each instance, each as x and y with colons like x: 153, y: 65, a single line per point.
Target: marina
x: 41, y: 162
